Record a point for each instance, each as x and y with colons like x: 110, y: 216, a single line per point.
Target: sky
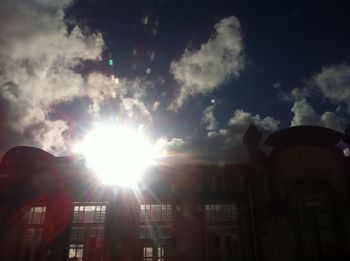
x: 191, y: 74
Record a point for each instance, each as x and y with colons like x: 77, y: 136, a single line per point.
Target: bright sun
x: 119, y: 155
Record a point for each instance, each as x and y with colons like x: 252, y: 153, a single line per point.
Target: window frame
x: 221, y: 212
x: 75, y: 248
x: 84, y: 228
x: 32, y: 215
x: 222, y: 225
x: 81, y: 215
x: 157, y: 224
x: 157, y: 252
x: 148, y: 213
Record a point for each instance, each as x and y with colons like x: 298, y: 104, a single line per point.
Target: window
x: 155, y: 213
x: 78, y: 233
x: 155, y: 221
x: 96, y: 232
x: 76, y: 252
x: 151, y: 253
x: 221, y: 212
x: 160, y: 232
x: 33, y: 233
x: 89, y: 214
x: 161, y: 254
x: 36, y: 215
x: 87, y: 232
x: 147, y: 253
x: 223, y: 243
x: 222, y: 232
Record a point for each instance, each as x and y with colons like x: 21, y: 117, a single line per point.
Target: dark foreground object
x: 292, y: 204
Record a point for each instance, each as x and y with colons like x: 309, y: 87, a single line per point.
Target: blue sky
x: 193, y: 74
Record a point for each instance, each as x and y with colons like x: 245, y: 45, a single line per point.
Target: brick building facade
x: 291, y: 204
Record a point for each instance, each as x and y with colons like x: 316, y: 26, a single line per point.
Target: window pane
x: 155, y: 213
x: 36, y: 215
x: 161, y: 254
x: 79, y: 253
x: 71, y: 251
x: 148, y: 253
x: 221, y: 213
x: 40, y: 233
x: 76, y: 251
x: 88, y: 223
x: 78, y: 233
x: 29, y: 234
x: 89, y: 214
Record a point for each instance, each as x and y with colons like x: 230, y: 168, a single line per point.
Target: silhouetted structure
x: 292, y: 204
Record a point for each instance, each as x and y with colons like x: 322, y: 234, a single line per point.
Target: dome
x: 304, y: 135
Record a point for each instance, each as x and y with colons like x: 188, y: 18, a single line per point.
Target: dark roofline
x: 304, y: 135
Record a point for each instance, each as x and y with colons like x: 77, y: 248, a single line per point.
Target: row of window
x: 214, y: 213
x: 88, y: 222
x: 161, y: 232
x: 155, y: 213
x: 80, y: 233
x: 89, y: 214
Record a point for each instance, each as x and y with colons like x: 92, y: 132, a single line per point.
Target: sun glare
x: 118, y: 155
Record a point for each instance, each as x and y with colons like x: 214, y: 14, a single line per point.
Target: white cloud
x: 135, y: 109
x: 242, y: 119
x: 239, y: 123
x: 304, y: 114
x: 212, y: 134
x: 277, y: 85
x: 225, y: 145
x: 202, y: 71
x: 171, y: 148
x: 92, y: 89
x: 38, y: 57
x: 295, y: 94
x: 333, y: 121
x: 208, y: 118
x: 334, y: 83
x: 37, y: 60
x: 167, y: 143
x: 52, y: 135
x: 156, y: 105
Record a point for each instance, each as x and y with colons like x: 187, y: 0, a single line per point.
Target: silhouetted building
x: 292, y: 204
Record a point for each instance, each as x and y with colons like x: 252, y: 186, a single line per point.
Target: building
x: 292, y: 204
